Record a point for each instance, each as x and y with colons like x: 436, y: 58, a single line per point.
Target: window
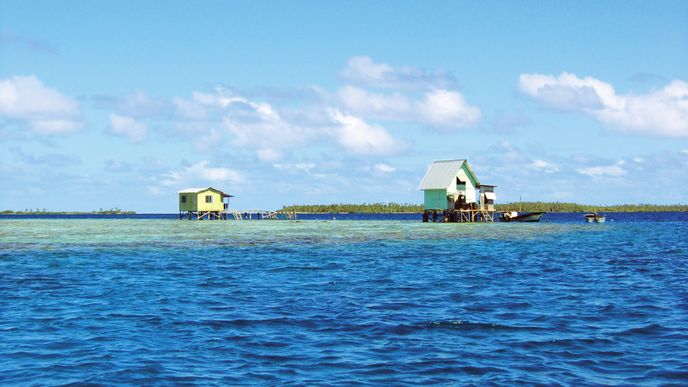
x: 208, y: 198
x: 183, y: 198
x: 458, y: 181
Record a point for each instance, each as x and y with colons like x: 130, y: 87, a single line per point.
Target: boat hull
x: 524, y: 217
x: 593, y: 218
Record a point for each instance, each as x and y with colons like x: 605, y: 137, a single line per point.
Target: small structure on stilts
x: 203, y: 203
x: 453, y: 193
x: 212, y: 204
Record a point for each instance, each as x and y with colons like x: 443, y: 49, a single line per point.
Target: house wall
x: 485, y: 203
x: 216, y: 205
x: 196, y: 201
x: 435, y: 199
x: 469, y: 186
x: 190, y: 204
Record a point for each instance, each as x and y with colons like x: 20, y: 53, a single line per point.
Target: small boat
x: 594, y: 217
x: 514, y: 216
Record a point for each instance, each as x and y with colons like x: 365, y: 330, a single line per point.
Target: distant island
x: 38, y: 211
x: 385, y: 208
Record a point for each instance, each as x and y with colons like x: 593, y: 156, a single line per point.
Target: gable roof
x: 197, y: 190
x: 441, y: 174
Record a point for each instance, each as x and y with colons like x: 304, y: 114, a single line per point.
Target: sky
x: 121, y: 104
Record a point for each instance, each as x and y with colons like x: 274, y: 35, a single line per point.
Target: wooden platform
x: 459, y: 216
x: 237, y: 215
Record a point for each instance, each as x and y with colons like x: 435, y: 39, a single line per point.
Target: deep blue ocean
x: 356, y: 300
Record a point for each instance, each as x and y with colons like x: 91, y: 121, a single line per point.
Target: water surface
x: 161, y: 301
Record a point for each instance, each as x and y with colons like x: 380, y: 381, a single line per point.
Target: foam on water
x: 342, y: 302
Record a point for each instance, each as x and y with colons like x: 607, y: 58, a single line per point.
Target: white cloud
x: 542, y: 165
x: 250, y: 124
x: 189, y: 109
x: 269, y: 132
x: 127, y: 127
x: 139, y: 105
x: 661, y: 112
x: 603, y: 171
x: 295, y: 167
x: 362, y: 70
x: 384, y: 168
x: 43, y: 109
x: 448, y: 109
x: 269, y: 154
x: 362, y: 138
x: 377, y: 105
x: 441, y: 109
x: 201, y: 172
x: 259, y: 125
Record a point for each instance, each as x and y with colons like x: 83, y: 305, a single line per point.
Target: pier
x: 263, y: 215
x: 237, y: 215
x: 208, y: 203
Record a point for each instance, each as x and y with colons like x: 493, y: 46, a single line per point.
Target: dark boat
x: 595, y: 218
x: 514, y: 216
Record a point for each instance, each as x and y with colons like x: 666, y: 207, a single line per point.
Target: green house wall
x: 435, y: 199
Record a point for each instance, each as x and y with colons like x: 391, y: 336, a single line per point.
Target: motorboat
x: 594, y: 217
x: 514, y: 216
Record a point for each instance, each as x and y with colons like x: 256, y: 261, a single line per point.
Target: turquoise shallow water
x: 159, y: 301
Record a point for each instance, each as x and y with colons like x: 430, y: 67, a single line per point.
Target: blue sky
x: 122, y: 104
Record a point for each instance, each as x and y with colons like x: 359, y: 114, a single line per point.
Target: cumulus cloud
x: 189, y: 109
x: 377, y: 105
x: 603, y: 171
x: 383, y: 168
x: 271, y: 132
x: 201, y: 172
x: 544, y: 166
x: 127, y: 127
x: 359, y: 137
x: 222, y: 115
x: 42, y: 109
x: 440, y: 109
x: 269, y: 154
x: 364, y: 71
x: 254, y: 124
x: 448, y: 109
x: 661, y: 112
x: 295, y: 167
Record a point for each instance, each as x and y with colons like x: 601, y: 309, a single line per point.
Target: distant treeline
x: 367, y: 208
x: 575, y: 207
x: 381, y: 208
x: 42, y: 211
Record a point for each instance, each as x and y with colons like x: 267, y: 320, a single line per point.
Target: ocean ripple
x: 132, y: 301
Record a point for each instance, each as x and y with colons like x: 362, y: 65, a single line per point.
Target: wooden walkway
x: 263, y: 215
x: 237, y: 215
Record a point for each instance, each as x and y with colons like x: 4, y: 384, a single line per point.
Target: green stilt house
x: 453, y: 193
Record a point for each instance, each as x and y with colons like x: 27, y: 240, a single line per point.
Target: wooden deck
x: 459, y: 216
x: 237, y: 215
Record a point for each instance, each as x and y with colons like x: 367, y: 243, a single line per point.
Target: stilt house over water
x: 203, y: 203
x: 453, y: 193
